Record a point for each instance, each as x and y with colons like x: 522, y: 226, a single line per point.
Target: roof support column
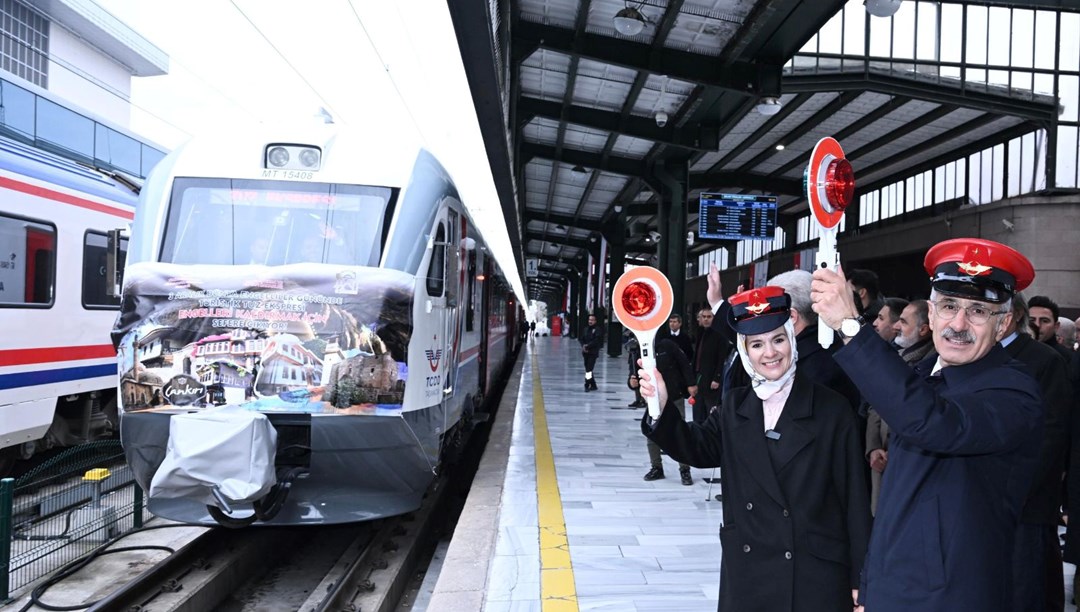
x: 673, y: 177
x: 580, y: 286
x: 616, y: 237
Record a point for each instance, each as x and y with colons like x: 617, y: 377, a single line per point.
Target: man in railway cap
x: 966, y: 428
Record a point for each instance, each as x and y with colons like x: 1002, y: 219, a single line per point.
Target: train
x: 57, y: 363
x: 322, y: 284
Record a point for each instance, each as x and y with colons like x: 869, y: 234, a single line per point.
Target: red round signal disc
x: 828, y: 202
x: 639, y: 299
x: 642, y: 299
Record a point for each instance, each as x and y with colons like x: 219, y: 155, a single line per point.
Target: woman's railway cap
x: 977, y: 269
x: 758, y: 311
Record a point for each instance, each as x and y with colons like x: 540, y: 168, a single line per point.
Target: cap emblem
x: 757, y: 303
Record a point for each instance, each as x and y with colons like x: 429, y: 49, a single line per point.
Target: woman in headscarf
x: 796, y: 505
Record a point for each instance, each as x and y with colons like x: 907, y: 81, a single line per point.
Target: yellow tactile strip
x: 557, y: 592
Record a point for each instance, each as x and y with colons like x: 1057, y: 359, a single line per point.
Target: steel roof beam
x: 619, y: 165
x: 931, y: 92
x: 565, y: 220
x: 610, y: 121
x: 711, y: 181
x: 740, y: 76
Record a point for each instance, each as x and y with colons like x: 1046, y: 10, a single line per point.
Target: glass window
x: 952, y: 20
x: 18, y: 116
x: 239, y: 222
x: 1045, y: 39
x: 95, y: 248
x: 64, y: 128
x: 150, y: 158
x: 926, y: 40
x: 116, y: 150
x: 999, y: 27
x: 976, y: 34
x: 903, y: 32
x: 25, y: 43
x: 27, y: 262
x: 855, y: 29
x: 1067, y: 156
x: 1070, y: 43
x: 1023, y: 39
x: 437, y: 264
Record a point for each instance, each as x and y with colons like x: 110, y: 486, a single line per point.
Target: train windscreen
x: 239, y: 222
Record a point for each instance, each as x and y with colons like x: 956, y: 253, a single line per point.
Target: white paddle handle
x: 648, y: 363
x: 827, y: 257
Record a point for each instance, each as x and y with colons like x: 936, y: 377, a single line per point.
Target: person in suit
x: 796, y: 511
x: 674, y: 367
x: 592, y: 340
x: 1038, y: 577
x: 679, y: 336
x: 710, y: 352
x: 965, y: 429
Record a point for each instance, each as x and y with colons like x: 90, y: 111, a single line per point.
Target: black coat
x: 962, y: 454
x: 794, y: 535
x: 592, y: 339
x: 1050, y: 371
x: 674, y: 367
x: 709, y: 355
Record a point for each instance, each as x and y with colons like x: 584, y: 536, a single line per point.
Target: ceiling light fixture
x: 629, y: 21
x: 768, y: 106
x: 882, y: 8
x: 560, y: 228
x: 579, y: 169
x: 780, y: 147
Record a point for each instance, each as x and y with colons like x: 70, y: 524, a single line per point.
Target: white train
x: 57, y: 364
x: 330, y: 280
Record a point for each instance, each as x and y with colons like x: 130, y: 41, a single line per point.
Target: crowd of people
x: 923, y: 462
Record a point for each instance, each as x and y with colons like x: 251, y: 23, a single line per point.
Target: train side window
x: 437, y: 265
x: 27, y: 262
x: 95, y: 248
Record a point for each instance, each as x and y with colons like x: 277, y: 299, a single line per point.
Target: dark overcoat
x: 796, y: 515
x: 962, y: 453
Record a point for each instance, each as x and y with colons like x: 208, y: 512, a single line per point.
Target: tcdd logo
x: 433, y: 355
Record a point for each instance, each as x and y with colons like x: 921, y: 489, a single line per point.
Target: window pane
x: 95, y: 248
x: 999, y: 27
x: 1045, y: 39
x: 28, y: 268
x: 904, y: 31
x: 854, y: 28
x: 830, y: 35
x: 117, y: 150
x: 927, y: 32
x: 951, y: 21
x: 18, y: 115
x: 1023, y: 32
x: 1070, y: 42
x: 1069, y: 91
x: 65, y: 128
x: 1066, y: 156
x: 976, y: 35
x: 150, y: 158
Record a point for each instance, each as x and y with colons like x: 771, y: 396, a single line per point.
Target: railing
x: 54, y: 514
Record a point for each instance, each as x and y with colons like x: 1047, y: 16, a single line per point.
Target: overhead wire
x: 285, y: 59
x: 389, y: 74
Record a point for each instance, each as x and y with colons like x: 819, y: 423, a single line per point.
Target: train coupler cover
x: 218, y: 454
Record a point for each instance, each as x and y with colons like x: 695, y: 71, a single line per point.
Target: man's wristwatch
x: 850, y: 327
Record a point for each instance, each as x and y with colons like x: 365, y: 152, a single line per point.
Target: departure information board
x: 736, y: 217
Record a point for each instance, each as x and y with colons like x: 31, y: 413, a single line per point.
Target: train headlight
x: 278, y: 156
x: 310, y: 158
x: 288, y: 156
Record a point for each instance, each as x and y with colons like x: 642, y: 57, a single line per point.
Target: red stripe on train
x: 55, y: 353
x: 65, y: 198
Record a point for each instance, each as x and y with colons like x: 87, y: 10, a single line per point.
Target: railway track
x: 362, y: 566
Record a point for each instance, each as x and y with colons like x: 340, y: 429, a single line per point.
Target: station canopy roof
x: 577, y: 103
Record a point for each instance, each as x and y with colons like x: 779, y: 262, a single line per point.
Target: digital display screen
x: 736, y: 217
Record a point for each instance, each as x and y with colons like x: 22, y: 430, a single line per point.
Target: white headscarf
x: 763, y: 387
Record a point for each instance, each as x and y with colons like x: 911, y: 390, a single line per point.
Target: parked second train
x: 57, y: 366
x: 329, y: 280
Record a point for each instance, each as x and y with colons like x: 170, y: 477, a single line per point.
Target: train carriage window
x: 437, y: 265
x: 27, y: 262
x: 95, y: 247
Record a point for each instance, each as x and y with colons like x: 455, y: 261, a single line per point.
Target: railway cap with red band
x: 977, y: 269
x: 758, y: 311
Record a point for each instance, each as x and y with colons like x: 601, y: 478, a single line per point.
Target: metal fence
x: 63, y: 509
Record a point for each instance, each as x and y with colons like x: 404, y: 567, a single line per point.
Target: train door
x: 451, y: 324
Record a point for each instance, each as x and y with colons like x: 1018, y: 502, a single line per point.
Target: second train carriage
x: 57, y: 365
x: 329, y: 280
